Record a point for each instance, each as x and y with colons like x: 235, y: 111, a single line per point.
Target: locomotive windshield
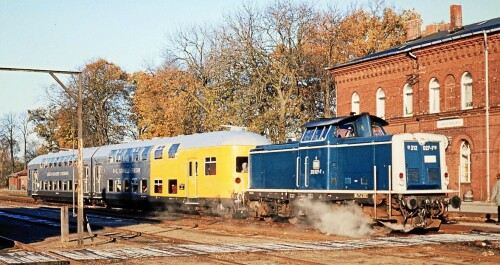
x: 316, y: 133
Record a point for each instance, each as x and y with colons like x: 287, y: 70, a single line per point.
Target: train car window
x: 135, y: 185
x: 144, y: 185
x: 118, y: 156
x: 135, y: 154
x: 210, y: 166
x: 118, y: 185
x: 159, y: 152
x: 126, y: 185
x: 172, y: 186
x: 127, y: 155
x: 145, y: 153
x: 111, y: 185
x: 158, y: 186
x: 193, y: 168
x: 172, y: 151
x: 242, y: 164
x: 111, y: 157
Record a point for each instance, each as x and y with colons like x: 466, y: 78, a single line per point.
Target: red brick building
x: 19, y: 180
x: 446, y: 82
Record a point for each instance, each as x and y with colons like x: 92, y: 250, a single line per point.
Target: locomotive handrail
x: 306, y: 179
x: 297, y: 171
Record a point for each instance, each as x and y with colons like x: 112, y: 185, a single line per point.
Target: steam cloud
x: 345, y: 220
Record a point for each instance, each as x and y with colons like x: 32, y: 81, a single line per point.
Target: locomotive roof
x: 343, y: 120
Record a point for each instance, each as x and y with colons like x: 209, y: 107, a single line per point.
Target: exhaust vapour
x: 343, y: 220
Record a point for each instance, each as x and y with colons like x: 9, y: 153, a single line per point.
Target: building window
x: 355, y: 103
x: 381, y: 103
x: 466, y: 91
x: 434, y: 96
x: 408, y: 100
x: 464, y: 170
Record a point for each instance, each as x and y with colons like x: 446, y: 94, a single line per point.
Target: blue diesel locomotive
x: 401, y: 178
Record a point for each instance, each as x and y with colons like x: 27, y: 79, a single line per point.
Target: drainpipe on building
x: 487, y: 115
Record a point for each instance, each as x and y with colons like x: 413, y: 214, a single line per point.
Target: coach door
x: 34, y: 181
x: 86, y: 180
x: 312, y: 159
x: 423, y: 166
x: 192, y: 175
x: 96, y: 181
x: 312, y: 167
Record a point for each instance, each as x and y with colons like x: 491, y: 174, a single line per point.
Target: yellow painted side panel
x: 179, y: 181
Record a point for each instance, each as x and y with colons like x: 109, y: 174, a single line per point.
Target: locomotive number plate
x: 360, y: 195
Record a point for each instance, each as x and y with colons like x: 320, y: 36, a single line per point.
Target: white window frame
x: 466, y: 84
x: 465, y: 162
x: 355, y: 105
x: 380, y: 103
x: 434, y: 96
x: 407, y: 100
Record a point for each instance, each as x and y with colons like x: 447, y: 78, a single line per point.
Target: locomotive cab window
x: 242, y: 164
x: 345, y: 131
x: 316, y: 133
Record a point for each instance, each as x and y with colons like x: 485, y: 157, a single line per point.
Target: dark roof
x: 492, y: 25
x: 342, y: 120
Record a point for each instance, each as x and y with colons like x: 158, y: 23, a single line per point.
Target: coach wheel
x: 293, y: 220
x: 268, y: 219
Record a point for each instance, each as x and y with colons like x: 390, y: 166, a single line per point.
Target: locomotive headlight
x: 401, y: 179
x: 237, y: 180
x: 411, y: 202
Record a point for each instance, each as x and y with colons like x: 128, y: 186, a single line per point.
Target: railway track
x: 218, y: 240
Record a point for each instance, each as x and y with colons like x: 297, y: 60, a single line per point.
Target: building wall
x: 446, y: 62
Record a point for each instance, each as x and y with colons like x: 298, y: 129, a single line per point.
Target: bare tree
x: 9, y: 125
x: 26, y: 129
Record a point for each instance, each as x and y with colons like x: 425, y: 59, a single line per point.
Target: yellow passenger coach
x: 206, y: 171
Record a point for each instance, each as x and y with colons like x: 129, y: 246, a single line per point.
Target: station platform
x: 475, y: 209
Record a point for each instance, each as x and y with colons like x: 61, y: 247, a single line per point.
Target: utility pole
x: 80, y: 162
x: 78, y: 99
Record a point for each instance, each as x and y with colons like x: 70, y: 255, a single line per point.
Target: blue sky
x: 66, y: 35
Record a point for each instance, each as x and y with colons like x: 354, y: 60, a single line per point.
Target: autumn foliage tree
x: 107, y: 102
x: 262, y: 68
